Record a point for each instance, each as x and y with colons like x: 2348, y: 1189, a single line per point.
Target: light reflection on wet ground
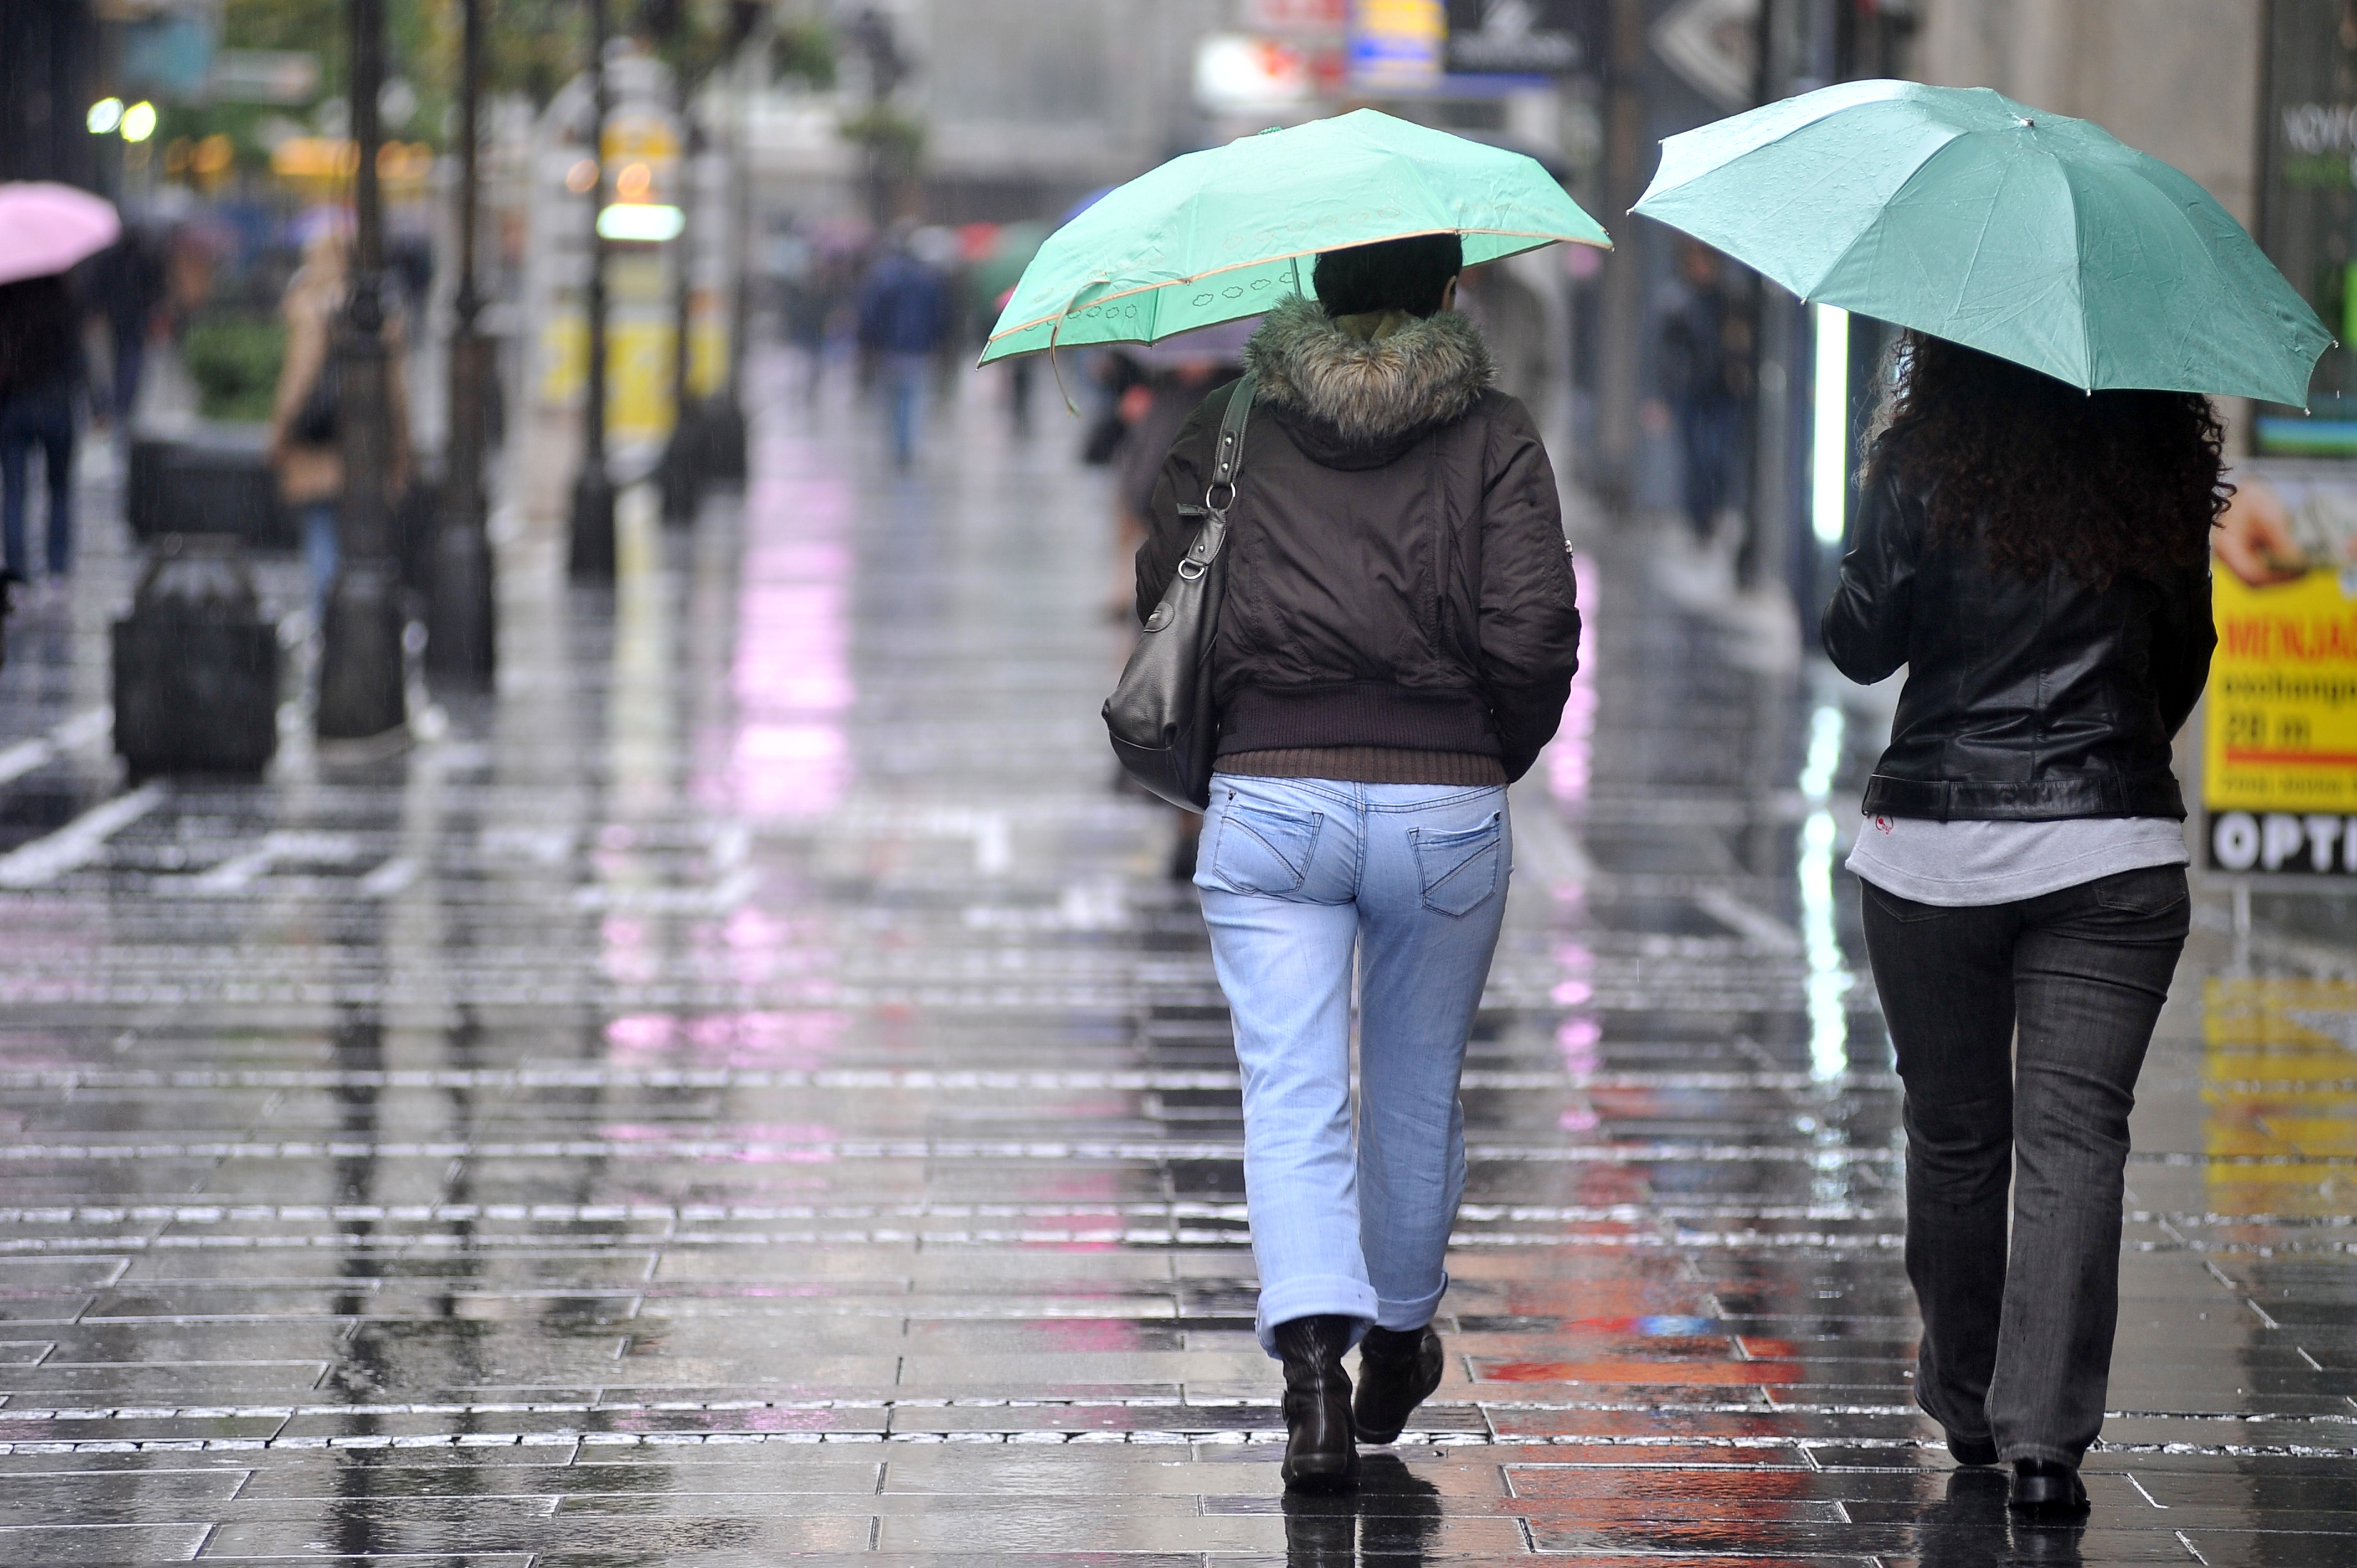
x: 748, y: 1095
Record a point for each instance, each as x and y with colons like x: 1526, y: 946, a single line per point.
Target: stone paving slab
x: 749, y: 1094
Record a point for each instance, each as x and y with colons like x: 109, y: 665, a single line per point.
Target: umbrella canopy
x: 1219, y: 234
x: 46, y: 228
x: 2030, y: 236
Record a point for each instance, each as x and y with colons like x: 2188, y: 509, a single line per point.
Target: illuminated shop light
x: 105, y: 116
x: 640, y: 221
x: 1830, y: 980
x: 1829, y: 437
x: 139, y: 122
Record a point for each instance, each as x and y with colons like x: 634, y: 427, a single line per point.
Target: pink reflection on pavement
x: 788, y: 1042
x: 788, y: 754
x: 1570, y: 758
x: 765, y: 1143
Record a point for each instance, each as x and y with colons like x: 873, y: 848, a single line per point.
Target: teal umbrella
x: 2033, y: 237
x: 1220, y: 235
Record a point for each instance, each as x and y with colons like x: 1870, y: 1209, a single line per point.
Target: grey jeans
x: 2020, y: 1028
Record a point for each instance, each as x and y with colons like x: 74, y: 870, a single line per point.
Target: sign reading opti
x: 2279, y: 746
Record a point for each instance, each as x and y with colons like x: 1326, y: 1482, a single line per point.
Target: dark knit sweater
x: 1368, y: 765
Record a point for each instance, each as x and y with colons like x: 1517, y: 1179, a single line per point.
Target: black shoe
x: 1972, y: 1450
x: 1318, y: 1453
x: 2046, y: 1489
x: 1398, y: 1369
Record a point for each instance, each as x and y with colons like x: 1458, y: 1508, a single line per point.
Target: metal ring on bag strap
x: 1230, y: 451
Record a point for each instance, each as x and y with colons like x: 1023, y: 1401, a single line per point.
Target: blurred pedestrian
x: 40, y: 375
x: 126, y: 282
x: 1395, y: 644
x: 1704, y: 366
x: 2038, y: 558
x: 305, y: 426
x: 904, y: 317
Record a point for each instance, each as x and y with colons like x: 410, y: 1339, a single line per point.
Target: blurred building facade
x: 49, y: 66
x: 2180, y: 78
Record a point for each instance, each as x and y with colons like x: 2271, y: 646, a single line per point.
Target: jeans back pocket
x: 2151, y: 891
x: 1458, y: 870
x: 1262, y: 851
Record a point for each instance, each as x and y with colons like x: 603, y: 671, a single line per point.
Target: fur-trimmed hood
x: 1372, y: 379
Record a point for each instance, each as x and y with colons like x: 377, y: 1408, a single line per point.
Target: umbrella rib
x: 2078, y: 280
x: 1859, y: 238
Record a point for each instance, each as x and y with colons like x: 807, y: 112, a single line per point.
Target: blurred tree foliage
x: 694, y: 38
x: 534, y: 47
x: 804, y: 48
x: 235, y: 359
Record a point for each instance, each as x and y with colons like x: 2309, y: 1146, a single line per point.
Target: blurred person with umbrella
x: 992, y: 281
x: 1393, y: 644
x: 2032, y: 543
x: 43, y: 230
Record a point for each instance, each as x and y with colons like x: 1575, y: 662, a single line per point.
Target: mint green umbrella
x: 1219, y: 234
x: 2030, y: 236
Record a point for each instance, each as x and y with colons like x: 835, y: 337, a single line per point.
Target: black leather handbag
x: 1160, y: 716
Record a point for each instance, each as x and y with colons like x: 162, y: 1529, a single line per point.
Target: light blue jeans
x: 1295, y: 874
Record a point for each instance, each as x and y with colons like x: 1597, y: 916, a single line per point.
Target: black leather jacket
x: 2025, y: 700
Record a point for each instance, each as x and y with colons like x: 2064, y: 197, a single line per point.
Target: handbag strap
x: 1226, y: 460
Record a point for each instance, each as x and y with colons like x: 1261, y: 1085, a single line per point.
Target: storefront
x: 2279, y: 725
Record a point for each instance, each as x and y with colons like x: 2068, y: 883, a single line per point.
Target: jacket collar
x: 1371, y: 378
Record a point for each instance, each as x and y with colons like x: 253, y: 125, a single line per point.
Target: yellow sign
x: 1397, y: 44
x: 407, y: 164
x: 2283, y: 697
x: 2279, y: 747
x: 638, y: 372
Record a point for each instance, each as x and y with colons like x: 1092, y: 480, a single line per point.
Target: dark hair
x: 1407, y: 275
x: 2107, y: 484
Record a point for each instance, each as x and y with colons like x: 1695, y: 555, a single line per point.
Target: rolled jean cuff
x: 1402, y: 1315
x: 1311, y: 1296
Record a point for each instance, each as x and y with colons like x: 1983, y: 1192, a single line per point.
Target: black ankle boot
x: 1318, y: 1455
x: 1398, y: 1369
x: 2046, y: 1488
x: 1972, y: 1450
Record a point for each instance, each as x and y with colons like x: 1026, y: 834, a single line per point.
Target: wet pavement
x: 750, y: 1094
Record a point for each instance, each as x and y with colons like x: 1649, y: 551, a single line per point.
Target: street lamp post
x: 683, y: 462
x: 361, y: 684
x: 593, y: 491
x: 460, y: 646
x: 724, y: 421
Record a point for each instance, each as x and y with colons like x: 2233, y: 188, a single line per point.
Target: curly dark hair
x: 2108, y: 484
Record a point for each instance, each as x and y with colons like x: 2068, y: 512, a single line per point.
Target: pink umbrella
x: 46, y: 228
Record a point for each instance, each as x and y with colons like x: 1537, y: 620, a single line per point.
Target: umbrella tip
x: 2028, y: 124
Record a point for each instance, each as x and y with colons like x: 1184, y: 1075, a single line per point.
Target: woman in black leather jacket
x: 2038, y: 558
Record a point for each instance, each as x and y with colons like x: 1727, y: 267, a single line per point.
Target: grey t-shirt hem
x: 1959, y: 864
